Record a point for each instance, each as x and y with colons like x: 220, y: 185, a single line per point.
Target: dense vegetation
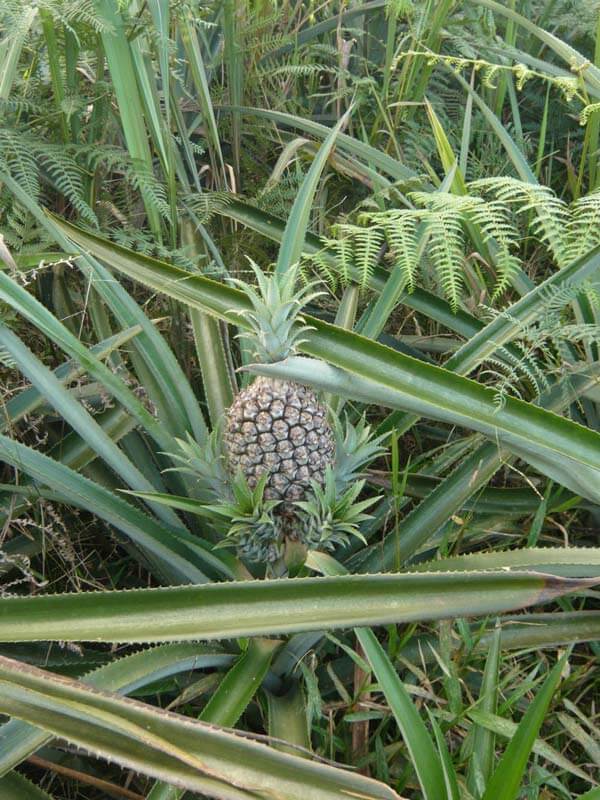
x: 395, y: 205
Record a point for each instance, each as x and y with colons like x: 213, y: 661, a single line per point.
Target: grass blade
x: 482, y: 756
x: 506, y: 728
x: 240, y: 684
x: 163, y: 378
x: 423, y: 753
x: 450, y: 781
x: 505, y: 783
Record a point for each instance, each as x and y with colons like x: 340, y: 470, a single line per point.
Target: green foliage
x: 331, y: 517
x: 539, y: 360
x: 436, y: 164
x: 356, y: 447
x: 203, y: 462
x: 251, y: 525
x: 496, y: 206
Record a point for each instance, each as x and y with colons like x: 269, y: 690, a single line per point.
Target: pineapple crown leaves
x: 276, y: 322
x: 249, y: 520
x: 204, y: 462
x: 355, y: 446
x: 245, y: 505
x: 330, y: 517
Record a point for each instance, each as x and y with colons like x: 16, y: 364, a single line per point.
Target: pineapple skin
x: 279, y: 427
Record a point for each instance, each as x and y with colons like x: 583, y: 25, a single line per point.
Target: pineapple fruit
x: 278, y: 427
x: 280, y: 477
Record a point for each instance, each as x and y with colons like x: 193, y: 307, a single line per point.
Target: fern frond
x: 144, y: 242
x: 66, y: 175
x: 23, y: 232
x: 344, y: 246
x: 277, y: 196
x: 446, y: 251
x: 303, y: 71
x: 206, y: 204
x: 6, y: 360
x: 593, y: 296
x: 521, y: 377
x: 366, y: 244
x: 78, y: 11
x: 550, y: 213
x: 151, y: 189
x: 583, y: 228
x: 400, y: 230
x: 18, y: 158
x: 555, y: 299
x: 493, y: 220
x: 267, y: 42
x: 400, y: 8
x: 584, y: 333
x: 25, y: 158
x: 320, y: 262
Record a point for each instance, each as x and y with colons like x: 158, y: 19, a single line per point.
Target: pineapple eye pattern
x: 279, y: 427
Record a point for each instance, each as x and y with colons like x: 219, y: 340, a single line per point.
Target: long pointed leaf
x: 297, y: 224
x: 574, y: 562
x: 505, y: 783
x: 233, y: 694
x: 424, y: 756
x: 80, y: 419
x: 165, y: 381
x: 256, y: 608
x: 545, y: 440
x: 127, y: 674
x: 353, y: 146
x: 29, y: 399
x: 16, y: 787
x: 482, y: 757
x: 175, y: 560
x: 371, y: 372
x: 168, y: 746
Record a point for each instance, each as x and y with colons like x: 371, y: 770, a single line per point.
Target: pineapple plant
x: 277, y: 476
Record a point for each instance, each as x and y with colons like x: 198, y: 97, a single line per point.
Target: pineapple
x: 278, y: 427
x: 279, y: 478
